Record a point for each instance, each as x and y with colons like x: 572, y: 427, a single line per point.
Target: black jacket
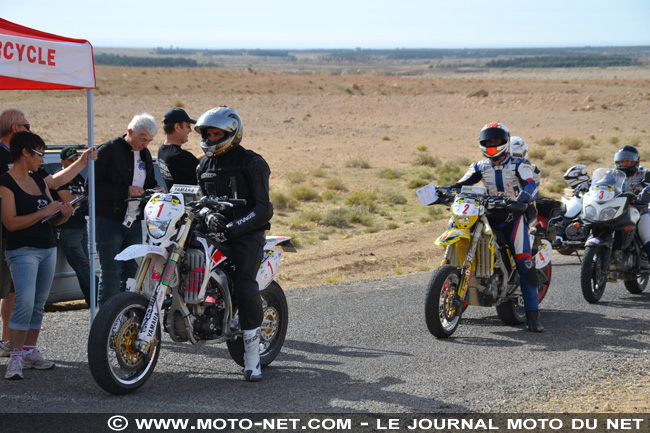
x: 114, y: 175
x: 243, y: 174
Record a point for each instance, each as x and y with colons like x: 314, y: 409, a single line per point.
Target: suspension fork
x: 152, y: 315
x: 468, y: 264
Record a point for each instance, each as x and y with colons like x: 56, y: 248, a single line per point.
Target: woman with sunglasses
x: 31, y: 248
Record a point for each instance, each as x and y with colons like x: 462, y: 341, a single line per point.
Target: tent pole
x: 92, y: 247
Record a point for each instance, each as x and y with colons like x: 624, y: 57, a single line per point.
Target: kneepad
x: 531, y: 272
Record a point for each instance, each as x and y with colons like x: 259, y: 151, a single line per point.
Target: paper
x: 427, y: 194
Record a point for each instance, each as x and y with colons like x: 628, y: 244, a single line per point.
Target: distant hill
x: 399, y: 60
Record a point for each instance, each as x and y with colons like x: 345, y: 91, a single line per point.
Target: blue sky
x: 339, y: 23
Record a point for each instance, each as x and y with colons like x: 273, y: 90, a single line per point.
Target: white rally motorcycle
x: 184, y: 286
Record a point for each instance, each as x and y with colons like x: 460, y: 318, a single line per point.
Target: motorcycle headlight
x: 157, y: 229
x: 462, y: 220
x: 608, y: 213
x: 590, y: 212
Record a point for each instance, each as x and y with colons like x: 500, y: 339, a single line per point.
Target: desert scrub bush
x: 586, y: 157
x: 634, y: 141
x: 537, y: 154
x: 389, y: 173
x: 282, y: 201
x: 613, y: 140
x: 448, y: 173
x: 553, y: 160
x: 557, y: 186
x: 357, y: 163
x: 546, y: 141
x: 313, y: 216
x: 300, y: 225
x: 570, y: 143
x: 336, y: 218
x: 645, y: 154
x: 318, y: 172
x: 394, y: 197
x: 329, y: 196
x: 416, y: 183
x: 360, y: 215
x: 437, y: 212
x: 392, y: 226
x: 304, y: 193
x: 385, y: 138
x: 422, y: 148
x: 426, y: 174
x: 296, y: 177
x: 334, y: 183
x: 365, y: 199
x: 426, y: 159
x: 464, y: 161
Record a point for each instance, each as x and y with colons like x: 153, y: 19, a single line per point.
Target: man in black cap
x: 73, y: 235
x: 177, y: 166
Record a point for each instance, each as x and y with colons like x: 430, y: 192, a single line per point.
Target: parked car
x: 65, y: 286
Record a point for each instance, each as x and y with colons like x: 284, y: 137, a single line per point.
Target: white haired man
x: 124, y: 169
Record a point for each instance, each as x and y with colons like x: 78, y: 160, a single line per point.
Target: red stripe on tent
x: 14, y: 29
x: 9, y: 83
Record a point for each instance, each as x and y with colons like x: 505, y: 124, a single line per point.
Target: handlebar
x: 506, y: 203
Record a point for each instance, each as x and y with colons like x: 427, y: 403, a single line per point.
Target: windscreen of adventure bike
x: 606, y: 184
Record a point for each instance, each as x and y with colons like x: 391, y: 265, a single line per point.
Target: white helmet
x: 575, y: 175
x: 518, y: 147
x: 224, y: 118
x: 497, y: 131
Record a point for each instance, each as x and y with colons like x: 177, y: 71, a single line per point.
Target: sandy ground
x: 303, y: 122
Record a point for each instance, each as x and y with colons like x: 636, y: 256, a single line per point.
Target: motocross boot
x: 252, y: 365
x: 532, y: 321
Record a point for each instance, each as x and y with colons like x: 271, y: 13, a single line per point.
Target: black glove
x: 216, y: 222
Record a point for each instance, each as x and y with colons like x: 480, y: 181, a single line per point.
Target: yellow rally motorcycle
x: 479, y: 267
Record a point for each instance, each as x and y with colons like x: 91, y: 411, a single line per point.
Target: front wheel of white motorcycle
x: 441, y: 309
x: 274, y: 327
x: 115, y: 364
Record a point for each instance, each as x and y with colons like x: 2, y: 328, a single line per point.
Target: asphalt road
x: 362, y: 347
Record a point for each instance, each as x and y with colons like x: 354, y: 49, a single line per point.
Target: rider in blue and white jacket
x: 627, y: 159
x: 509, y: 176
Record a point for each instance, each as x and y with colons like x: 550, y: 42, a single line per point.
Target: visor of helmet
x: 626, y: 155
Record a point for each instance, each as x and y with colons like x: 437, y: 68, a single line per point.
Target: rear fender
x: 283, y: 242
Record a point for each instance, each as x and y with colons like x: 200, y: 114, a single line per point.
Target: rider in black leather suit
x: 235, y: 172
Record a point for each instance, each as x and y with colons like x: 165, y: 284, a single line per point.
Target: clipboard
x: 57, y: 213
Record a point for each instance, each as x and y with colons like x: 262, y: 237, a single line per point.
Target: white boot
x: 252, y: 366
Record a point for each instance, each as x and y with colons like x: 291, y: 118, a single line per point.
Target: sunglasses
x: 41, y: 154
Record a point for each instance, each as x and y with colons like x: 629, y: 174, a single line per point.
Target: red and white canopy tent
x: 34, y: 60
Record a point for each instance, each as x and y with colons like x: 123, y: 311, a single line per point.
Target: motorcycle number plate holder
x: 466, y: 207
x: 164, y: 207
x: 603, y: 193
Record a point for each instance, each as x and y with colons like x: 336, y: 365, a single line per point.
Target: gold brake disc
x: 127, y: 355
x: 270, y: 324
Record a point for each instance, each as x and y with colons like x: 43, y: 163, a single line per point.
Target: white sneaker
x: 5, y: 349
x: 14, y: 368
x: 36, y: 360
x: 252, y: 365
